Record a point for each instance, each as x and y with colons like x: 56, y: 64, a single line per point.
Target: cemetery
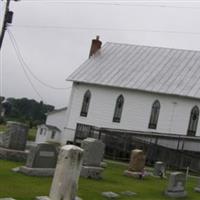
x: 49, y: 172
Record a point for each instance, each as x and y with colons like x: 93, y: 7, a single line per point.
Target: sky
x: 52, y: 38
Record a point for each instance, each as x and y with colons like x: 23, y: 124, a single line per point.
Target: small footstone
x: 110, y: 195
x: 128, y: 193
x: 44, y: 198
x: 7, y: 198
x: 16, y: 169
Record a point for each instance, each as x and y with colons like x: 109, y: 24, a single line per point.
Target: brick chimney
x: 95, y: 46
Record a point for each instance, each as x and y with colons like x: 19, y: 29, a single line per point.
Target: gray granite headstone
x: 92, y: 157
x: 176, y: 186
x: 42, y: 156
x: 159, y: 169
x: 15, y: 136
x: 93, y: 152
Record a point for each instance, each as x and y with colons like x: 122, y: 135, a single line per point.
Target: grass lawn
x: 23, y: 187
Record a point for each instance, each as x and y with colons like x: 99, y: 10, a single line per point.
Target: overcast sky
x: 54, y: 38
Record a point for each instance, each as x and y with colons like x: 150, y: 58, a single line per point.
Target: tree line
x: 24, y: 110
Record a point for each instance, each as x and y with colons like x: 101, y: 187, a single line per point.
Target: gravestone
x: 65, y: 181
x: 15, y: 136
x: 92, y: 157
x: 176, y: 186
x: 136, y: 164
x: 41, y: 160
x: 159, y: 169
x: 197, y: 188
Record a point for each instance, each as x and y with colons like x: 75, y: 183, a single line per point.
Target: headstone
x: 65, y: 181
x: 93, y: 151
x: 197, y: 188
x: 110, y: 195
x: 128, y: 193
x: 176, y: 186
x: 16, y: 136
x: 42, y: 156
x: 41, y: 160
x: 136, y: 164
x: 137, y: 160
x: 93, y: 155
x: 159, y: 169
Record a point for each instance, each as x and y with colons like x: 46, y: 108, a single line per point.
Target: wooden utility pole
x: 7, y: 19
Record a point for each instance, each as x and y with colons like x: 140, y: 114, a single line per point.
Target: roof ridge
x: 150, y: 46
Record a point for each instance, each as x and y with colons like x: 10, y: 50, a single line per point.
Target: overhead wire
x: 105, y: 29
x: 30, y: 71
x: 117, y: 3
x: 22, y: 65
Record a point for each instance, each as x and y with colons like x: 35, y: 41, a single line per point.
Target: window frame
x: 85, y: 104
x: 193, y: 123
x: 154, y: 116
x: 118, y: 109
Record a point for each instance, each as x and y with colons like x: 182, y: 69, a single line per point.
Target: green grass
x: 23, y: 187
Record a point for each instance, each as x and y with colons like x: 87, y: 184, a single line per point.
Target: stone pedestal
x: 136, y: 174
x: 176, y: 186
x: 92, y: 157
x: 91, y: 172
x: 65, y: 181
x: 36, y: 171
x: 13, y: 155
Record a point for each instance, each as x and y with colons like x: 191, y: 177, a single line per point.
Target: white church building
x: 136, y: 89
x: 151, y: 93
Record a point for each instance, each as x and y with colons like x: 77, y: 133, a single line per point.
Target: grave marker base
x: 135, y: 174
x: 176, y: 194
x: 91, y: 172
x: 197, y: 189
x: 36, y: 171
x: 13, y: 155
x: 47, y: 198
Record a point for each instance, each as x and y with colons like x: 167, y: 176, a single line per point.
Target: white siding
x: 173, y: 118
x: 57, y: 119
x: 46, y: 134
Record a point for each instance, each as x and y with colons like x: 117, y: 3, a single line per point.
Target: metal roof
x: 152, y: 69
x: 56, y: 110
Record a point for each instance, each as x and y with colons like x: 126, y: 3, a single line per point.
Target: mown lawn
x: 23, y: 187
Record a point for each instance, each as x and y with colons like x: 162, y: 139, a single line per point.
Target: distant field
x: 31, y: 134
x: 23, y: 187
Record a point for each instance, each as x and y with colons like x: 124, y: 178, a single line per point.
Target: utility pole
x: 7, y: 19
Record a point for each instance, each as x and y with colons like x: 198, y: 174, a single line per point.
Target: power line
x: 117, y: 3
x: 22, y: 65
x: 105, y: 29
x: 30, y: 71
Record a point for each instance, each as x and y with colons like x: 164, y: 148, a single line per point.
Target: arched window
x: 86, y: 102
x: 194, y: 117
x: 155, y: 110
x: 118, y: 109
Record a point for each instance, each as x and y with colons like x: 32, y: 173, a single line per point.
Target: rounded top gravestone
x: 93, y: 151
x: 137, y: 160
